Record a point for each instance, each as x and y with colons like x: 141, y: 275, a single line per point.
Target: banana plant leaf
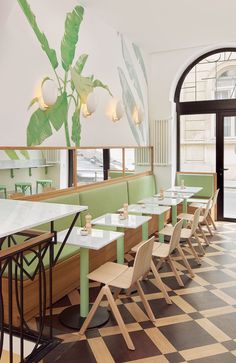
x: 79, y: 65
x: 41, y: 36
x: 83, y: 85
x: 12, y: 154
x: 140, y: 60
x: 70, y: 38
x: 131, y: 69
x: 97, y: 83
x: 129, y: 104
x: 58, y: 113
x: 76, y: 128
x: 25, y: 153
x: 39, y: 128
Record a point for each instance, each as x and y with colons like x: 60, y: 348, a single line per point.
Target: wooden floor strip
x: 113, y: 330
x: 183, y: 305
x: 136, y: 312
x: 154, y: 359
x: 100, y: 351
x: 160, y: 341
x: 172, y: 320
x: 213, y: 330
x: 218, y: 311
x: 203, y: 351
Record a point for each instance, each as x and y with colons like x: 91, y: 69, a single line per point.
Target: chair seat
x: 198, y: 200
x: 107, y: 272
x: 161, y: 249
x: 187, y: 216
x: 198, y: 205
x: 168, y: 231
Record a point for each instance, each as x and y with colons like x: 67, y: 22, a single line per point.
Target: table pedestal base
x: 70, y: 317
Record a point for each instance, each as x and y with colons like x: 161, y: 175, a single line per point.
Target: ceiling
x: 164, y: 25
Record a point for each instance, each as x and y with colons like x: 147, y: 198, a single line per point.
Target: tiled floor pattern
x: 199, y: 326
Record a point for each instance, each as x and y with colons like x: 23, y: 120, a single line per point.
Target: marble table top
x: 113, y: 220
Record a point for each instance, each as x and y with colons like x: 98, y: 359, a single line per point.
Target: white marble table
x: 169, y: 194
x: 178, y: 188
x: 18, y: 215
x: 74, y: 316
x: 132, y: 222
x: 172, y: 202
x: 150, y: 209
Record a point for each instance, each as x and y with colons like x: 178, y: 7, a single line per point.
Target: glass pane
x: 212, y: 78
x: 197, y: 143
x: 116, y: 163
x: 89, y: 166
x: 32, y: 171
x: 229, y: 170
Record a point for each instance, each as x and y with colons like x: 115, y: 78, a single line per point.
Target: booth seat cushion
x: 103, y: 200
x: 67, y: 252
x: 65, y: 222
x: 198, y: 180
x: 141, y: 188
x: 118, y: 174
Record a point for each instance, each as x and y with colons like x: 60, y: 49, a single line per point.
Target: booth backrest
x: 207, y: 181
x: 65, y: 222
x: 104, y: 200
x: 141, y: 188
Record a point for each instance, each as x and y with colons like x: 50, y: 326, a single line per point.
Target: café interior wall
x: 23, y: 65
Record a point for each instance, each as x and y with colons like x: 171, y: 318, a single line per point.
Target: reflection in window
x: 89, y: 166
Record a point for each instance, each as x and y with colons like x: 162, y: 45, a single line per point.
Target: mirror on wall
x: 30, y: 172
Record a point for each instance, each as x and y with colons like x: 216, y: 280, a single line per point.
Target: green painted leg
x: 84, y: 282
x: 120, y: 250
x: 145, y: 231
x: 174, y: 214
x: 185, y: 209
x: 161, y: 226
x: 37, y: 187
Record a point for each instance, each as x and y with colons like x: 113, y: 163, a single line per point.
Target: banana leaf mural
x: 73, y: 87
x: 132, y: 91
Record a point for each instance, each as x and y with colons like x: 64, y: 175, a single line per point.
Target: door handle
x: 221, y: 170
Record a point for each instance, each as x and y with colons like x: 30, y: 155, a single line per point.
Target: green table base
x: 161, y: 226
x: 145, y: 231
x: 120, y: 250
x: 23, y: 187
x: 43, y: 183
x: 3, y: 189
x: 174, y: 214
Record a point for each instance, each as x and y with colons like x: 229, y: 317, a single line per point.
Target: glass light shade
x: 138, y: 115
x: 118, y: 112
x: 49, y: 93
x: 90, y: 106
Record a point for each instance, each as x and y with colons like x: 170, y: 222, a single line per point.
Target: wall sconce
x: 118, y: 112
x: 90, y: 106
x: 49, y: 93
x: 138, y: 115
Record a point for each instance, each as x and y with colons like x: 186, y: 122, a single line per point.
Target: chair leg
x: 212, y: 221
x: 193, y: 251
x: 199, y: 244
x: 92, y: 311
x: 173, y: 268
x: 160, y: 283
x: 203, y: 235
x: 118, y: 318
x: 185, y: 261
x: 145, y: 302
x: 116, y: 293
x: 208, y: 227
x: 160, y: 263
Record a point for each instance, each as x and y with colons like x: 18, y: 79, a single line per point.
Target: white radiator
x: 52, y: 156
x: 142, y: 156
x: 160, y: 136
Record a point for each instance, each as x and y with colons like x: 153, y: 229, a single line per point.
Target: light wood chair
x: 203, y: 206
x: 122, y: 277
x: 164, y: 251
x: 188, y: 234
x: 202, y: 220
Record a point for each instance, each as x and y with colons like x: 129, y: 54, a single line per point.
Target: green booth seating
x: 103, y: 200
x: 118, y: 173
x: 140, y: 188
x: 207, y: 181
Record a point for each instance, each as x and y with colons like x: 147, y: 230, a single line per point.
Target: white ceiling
x: 162, y: 25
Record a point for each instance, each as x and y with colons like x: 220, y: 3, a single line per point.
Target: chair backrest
x: 142, y: 260
x: 174, y: 241
x: 208, y: 207
x: 195, y: 222
x: 214, y: 198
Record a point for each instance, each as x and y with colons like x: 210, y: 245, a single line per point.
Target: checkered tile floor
x: 200, y: 325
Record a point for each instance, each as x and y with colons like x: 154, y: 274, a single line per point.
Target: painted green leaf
x: 41, y: 36
x: 129, y: 104
x: 70, y: 38
x: 34, y: 100
x: 12, y: 154
x: 131, y: 70
x: 58, y: 113
x: 39, y: 128
x: 76, y: 128
x: 83, y: 85
x: 97, y: 83
x: 25, y: 153
x: 79, y: 65
x: 140, y: 60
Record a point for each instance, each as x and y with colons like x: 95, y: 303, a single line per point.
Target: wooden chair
x: 122, y: 277
x: 202, y: 220
x: 164, y: 251
x: 203, y: 206
x: 188, y: 234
